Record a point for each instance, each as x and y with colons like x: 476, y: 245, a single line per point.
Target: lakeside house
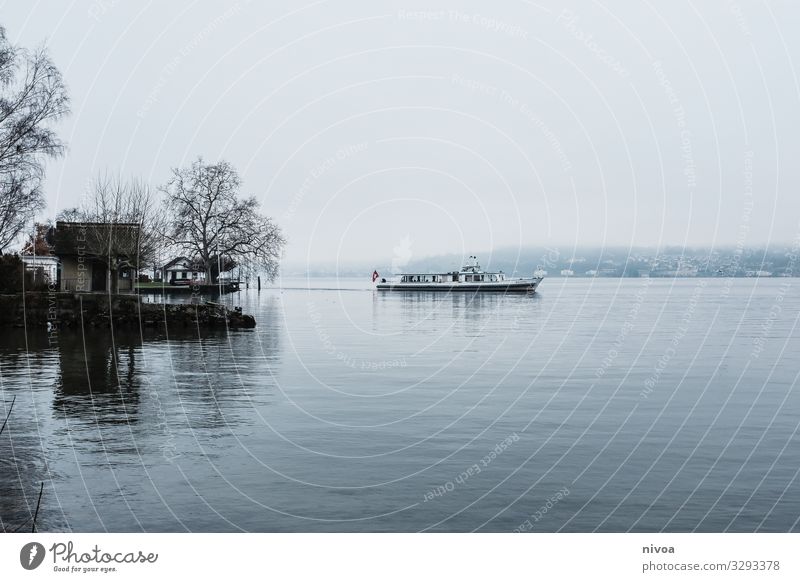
x: 44, y: 265
x: 181, y: 270
x: 96, y: 256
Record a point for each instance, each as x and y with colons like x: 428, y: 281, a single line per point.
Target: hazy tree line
x: 199, y: 213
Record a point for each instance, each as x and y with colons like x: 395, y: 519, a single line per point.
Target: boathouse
x: 96, y: 256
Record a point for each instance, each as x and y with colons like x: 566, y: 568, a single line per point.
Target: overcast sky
x: 452, y: 126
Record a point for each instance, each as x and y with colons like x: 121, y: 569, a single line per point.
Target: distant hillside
x: 592, y: 262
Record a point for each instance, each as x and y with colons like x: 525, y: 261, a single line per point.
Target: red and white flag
x: 375, y: 276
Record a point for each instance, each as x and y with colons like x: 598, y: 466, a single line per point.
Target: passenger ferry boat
x: 470, y: 278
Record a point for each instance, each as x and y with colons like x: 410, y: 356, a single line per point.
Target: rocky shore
x: 90, y: 310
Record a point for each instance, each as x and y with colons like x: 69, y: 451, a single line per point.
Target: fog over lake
x: 460, y: 126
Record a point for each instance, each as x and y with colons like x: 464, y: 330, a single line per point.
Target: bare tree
x: 123, y: 223
x: 32, y: 95
x: 208, y: 220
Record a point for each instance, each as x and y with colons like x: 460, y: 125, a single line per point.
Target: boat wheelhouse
x: 470, y: 278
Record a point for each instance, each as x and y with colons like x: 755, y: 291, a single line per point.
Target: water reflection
x: 215, y: 375
x: 99, y: 416
x: 346, y: 420
x: 464, y: 314
x: 98, y: 379
x: 27, y: 369
x: 20, y: 479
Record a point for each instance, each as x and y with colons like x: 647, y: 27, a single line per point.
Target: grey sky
x: 459, y: 125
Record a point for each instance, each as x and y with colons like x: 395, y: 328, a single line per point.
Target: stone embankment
x: 76, y: 310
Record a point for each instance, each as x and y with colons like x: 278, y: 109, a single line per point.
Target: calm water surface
x: 608, y: 405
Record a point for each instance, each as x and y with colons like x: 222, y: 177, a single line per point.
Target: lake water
x: 595, y: 405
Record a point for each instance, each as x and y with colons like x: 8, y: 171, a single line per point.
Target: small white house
x: 182, y: 270
x: 45, y: 264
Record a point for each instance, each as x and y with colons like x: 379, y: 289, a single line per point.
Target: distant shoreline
x: 776, y: 261
x: 557, y: 276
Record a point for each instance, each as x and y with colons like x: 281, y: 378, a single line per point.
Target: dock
x: 165, y: 289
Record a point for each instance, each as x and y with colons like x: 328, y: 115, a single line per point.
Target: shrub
x: 14, y: 277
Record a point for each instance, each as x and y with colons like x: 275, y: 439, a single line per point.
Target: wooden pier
x: 211, y: 290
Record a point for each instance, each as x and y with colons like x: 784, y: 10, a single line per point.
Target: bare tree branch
x: 209, y: 222
x: 124, y: 225
x: 32, y: 95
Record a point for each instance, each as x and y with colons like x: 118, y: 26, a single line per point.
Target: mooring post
x: 259, y: 282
